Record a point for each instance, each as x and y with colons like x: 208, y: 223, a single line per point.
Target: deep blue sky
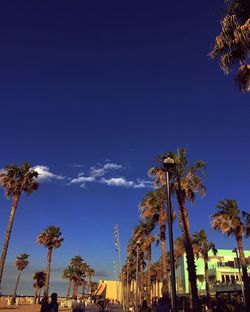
x: 95, y: 82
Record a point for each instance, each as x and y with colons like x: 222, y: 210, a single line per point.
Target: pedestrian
x: 163, y: 304
x: 145, y: 307
x: 53, y: 306
x: 81, y: 306
x: 75, y: 305
x: 45, y: 304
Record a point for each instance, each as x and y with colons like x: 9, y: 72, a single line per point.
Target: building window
x: 223, y: 278
x: 227, y: 278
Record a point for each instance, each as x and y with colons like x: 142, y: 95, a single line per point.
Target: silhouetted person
x: 163, y: 304
x: 144, y: 307
x: 45, y: 304
x: 53, y: 306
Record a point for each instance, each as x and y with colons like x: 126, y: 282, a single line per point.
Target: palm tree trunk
x: 69, y: 288
x: 75, y: 289
x: 165, y: 289
x: 90, y: 288
x: 245, y: 276
x: 35, y: 296
x: 191, y: 267
x: 46, y: 290
x: 16, y: 198
x: 83, y: 288
x: 39, y: 295
x: 141, y: 284
x: 13, y: 299
x: 207, y: 282
x: 149, y: 278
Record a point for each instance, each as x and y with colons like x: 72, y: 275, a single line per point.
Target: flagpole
x: 117, y: 245
x: 115, y: 281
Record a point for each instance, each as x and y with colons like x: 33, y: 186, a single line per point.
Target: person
x: 53, y: 306
x: 45, y: 304
x: 163, y: 304
x: 75, y: 305
x: 81, y: 306
x: 145, y: 307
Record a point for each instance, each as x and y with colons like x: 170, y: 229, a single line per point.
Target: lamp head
x: 168, y: 163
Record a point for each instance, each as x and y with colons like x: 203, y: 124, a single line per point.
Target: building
x: 109, y: 289
x: 223, y: 270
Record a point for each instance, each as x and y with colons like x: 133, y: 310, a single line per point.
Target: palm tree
x: 200, y: 238
x: 67, y: 274
x: 39, y: 278
x: 145, y: 228
x: 230, y: 222
x: 152, y: 207
x: 15, y: 180
x: 50, y: 238
x: 90, y: 272
x: 185, y: 183
x: 232, y: 45
x: 79, y: 267
x: 21, y: 264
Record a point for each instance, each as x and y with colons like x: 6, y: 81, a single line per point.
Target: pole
x: 127, y: 291
x: 171, y: 245
x: 242, y: 286
x: 136, y: 278
x: 117, y: 244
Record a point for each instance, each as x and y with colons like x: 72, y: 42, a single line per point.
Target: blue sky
x: 105, y: 85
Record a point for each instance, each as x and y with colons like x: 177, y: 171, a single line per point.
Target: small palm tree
x: 90, y: 272
x: 15, y: 180
x: 39, y: 278
x: 200, y: 238
x: 50, y: 238
x: 230, y: 222
x: 68, y: 274
x: 21, y: 264
x: 79, y: 267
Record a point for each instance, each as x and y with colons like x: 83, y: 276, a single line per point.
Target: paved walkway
x: 36, y: 308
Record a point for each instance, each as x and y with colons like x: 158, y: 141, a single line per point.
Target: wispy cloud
x: 82, y: 180
x: 101, y: 170
x: 123, y: 182
x: 45, y: 174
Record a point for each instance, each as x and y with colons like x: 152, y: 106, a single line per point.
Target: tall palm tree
x: 152, y: 207
x: 50, y: 238
x: 39, y: 278
x: 15, y: 180
x: 185, y: 183
x: 232, y: 45
x: 68, y: 274
x: 21, y: 264
x: 200, y: 238
x: 229, y: 220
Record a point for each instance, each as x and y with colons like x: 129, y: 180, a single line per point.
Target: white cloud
x: 121, y: 181
x: 100, y: 174
x: 99, y: 171
x: 44, y: 174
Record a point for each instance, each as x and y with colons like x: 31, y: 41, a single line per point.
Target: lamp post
x: 238, y: 261
x: 169, y: 165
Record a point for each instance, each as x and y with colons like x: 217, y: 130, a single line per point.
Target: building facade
x: 223, y: 270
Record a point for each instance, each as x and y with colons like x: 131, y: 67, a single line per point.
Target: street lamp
x: 238, y: 261
x: 169, y: 165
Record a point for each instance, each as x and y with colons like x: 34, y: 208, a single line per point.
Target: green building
x: 223, y: 272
